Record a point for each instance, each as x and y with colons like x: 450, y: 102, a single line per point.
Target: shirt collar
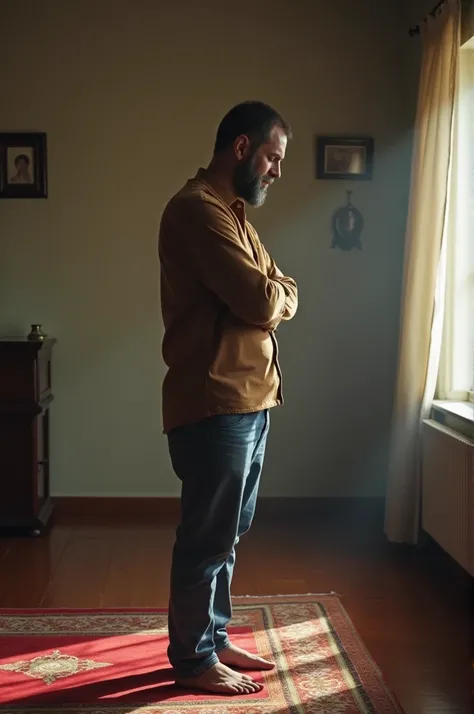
x: 213, y: 182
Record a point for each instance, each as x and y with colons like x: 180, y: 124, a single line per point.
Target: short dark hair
x: 254, y: 119
x: 23, y: 157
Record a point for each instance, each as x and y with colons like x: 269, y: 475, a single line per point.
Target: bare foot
x: 220, y: 679
x: 236, y: 657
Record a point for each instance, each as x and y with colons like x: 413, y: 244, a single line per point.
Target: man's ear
x: 241, y: 146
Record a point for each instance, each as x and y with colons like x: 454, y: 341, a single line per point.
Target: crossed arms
x: 262, y: 298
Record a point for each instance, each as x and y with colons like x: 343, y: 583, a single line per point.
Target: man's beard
x: 248, y: 185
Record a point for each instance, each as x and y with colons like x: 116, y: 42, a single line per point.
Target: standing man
x: 222, y: 299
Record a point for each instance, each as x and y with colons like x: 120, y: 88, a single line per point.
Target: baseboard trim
x: 167, y: 509
x: 129, y: 508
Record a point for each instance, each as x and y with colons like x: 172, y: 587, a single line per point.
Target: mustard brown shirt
x: 222, y: 298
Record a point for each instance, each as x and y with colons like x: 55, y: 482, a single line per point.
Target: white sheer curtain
x: 424, y: 282
x: 457, y: 355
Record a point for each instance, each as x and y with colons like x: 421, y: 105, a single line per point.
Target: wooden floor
x: 411, y: 607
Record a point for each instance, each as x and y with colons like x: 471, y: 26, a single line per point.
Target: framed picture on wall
x: 23, y: 165
x: 349, y: 158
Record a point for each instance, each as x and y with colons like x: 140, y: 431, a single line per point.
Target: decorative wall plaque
x: 347, y: 225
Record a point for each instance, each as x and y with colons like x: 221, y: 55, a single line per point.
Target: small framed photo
x: 344, y: 158
x: 23, y: 165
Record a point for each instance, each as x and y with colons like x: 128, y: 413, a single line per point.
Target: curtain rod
x: 416, y: 30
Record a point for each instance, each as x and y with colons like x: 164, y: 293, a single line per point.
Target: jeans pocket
x: 228, y: 421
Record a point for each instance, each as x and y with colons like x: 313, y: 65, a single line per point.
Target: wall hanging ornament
x: 347, y: 225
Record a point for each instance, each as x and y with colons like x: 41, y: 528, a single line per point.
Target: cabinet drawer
x: 25, y: 373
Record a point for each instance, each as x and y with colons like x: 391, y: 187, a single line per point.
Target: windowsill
x: 463, y: 410
x: 457, y: 415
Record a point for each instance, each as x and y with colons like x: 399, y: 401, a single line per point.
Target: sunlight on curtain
x: 423, y: 284
x: 457, y: 354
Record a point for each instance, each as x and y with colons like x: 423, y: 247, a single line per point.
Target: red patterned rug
x: 114, y: 662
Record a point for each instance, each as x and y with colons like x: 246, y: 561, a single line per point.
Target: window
x: 456, y: 374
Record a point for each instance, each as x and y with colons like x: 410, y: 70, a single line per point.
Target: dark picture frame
x: 344, y: 158
x: 23, y: 165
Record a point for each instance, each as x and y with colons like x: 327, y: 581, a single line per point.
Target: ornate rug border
x: 329, y: 602
x: 332, y: 599
x: 237, y: 599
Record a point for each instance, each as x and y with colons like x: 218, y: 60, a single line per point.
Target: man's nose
x: 275, y: 171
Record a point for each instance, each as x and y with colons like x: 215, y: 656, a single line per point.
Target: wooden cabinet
x: 25, y: 399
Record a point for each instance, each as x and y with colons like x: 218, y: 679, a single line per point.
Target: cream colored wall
x: 130, y: 95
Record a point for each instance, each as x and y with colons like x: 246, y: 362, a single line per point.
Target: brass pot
x: 36, y: 334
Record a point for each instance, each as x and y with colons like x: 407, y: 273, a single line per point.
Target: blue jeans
x: 219, y: 461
